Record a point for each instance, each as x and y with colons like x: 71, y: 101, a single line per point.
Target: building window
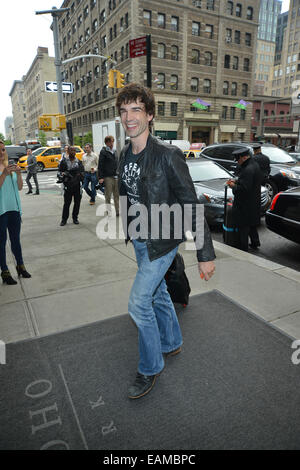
x: 78, y: 103
x: 194, y: 84
x: 207, y: 85
x: 86, y: 12
x: 97, y: 71
x: 246, y: 65
x: 237, y: 37
x: 195, y: 28
x: 235, y: 63
x: 174, y: 23
x: 249, y: 13
x: 102, y: 16
x: 161, y: 108
x: 234, y: 88
x: 238, y: 10
x: 244, y: 89
x: 225, y: 88
x: 161, y: 80
x: 243, y: 114
x: 248, y: 39
x: 174, y: 53
x: 232, y: 112
x: 147, y: 17
x: 197, y: 3
x: 161, y: 51
x: 224, y: 112
x: 90, y: 98
x: 161, y: 20
x: 104, y: 91
x: 229, y: 8
x: 210, y: 4
x: 89, y: 76
x: 195, y: 56
x: 97, y: 94
x: 227, y: 62
x: 174, y: 82
x: 173, y: 109
x: 209, y: 29
x: 208, y: 58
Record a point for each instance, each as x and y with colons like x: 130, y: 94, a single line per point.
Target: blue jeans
x: 152, y: 310
x: 90, y: 178
x: 11, y: 222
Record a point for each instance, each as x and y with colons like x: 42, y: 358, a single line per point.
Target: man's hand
x: 206, y: 269
x: 17, y: 169
x: 230, y: 183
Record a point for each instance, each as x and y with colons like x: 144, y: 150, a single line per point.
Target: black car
x: 283, y: 217
x: 285, y: 170
x: 14, y: 152
x: 209, y: 180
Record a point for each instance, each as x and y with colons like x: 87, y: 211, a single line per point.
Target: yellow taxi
x: 192, y: 153
x: 47, y: 157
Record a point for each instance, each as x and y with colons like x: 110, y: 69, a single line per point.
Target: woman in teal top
x: 10, y: 215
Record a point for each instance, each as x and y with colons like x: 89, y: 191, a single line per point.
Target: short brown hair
x: 109, y: 138
x: 132, y: 92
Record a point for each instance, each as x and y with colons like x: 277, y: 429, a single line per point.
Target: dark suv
x: 14, y: 152
x: 284, y: 173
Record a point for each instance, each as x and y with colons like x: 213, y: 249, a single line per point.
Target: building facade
x: 200, y: 49
x: 19, y: 111
x: 277, y: 125
x: 9, y: 128
x: 37, y: 100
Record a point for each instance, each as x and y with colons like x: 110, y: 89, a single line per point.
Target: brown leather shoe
x: 174, y: 352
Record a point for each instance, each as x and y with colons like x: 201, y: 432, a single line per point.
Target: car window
x: 210, y: 152
x: 206, y: 171
x: 77, y: 150
x: 277, y: 155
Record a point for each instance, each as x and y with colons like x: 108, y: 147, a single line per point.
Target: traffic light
x: 111, y: 78
x: 45, y: 123
x: 120, y: 79
x: 61, y: 122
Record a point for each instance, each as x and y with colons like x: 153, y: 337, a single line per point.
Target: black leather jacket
x: 164, y: 178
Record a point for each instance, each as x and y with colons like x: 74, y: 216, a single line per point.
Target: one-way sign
x: 52, y: 87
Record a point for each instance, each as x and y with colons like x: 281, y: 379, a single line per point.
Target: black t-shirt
x: 130, y: 179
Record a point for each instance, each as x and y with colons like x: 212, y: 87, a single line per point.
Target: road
x: 273, y: 247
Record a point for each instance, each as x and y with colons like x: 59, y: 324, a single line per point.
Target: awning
x: 271, y: 135
x: 288, y: 136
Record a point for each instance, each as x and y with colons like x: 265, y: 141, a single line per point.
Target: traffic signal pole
x: 149, y: 72
x: 55, y: 12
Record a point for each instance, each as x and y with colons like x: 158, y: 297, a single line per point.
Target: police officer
x: 262, y: 160
x: 246, y: 204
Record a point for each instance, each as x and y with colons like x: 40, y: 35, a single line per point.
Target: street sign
x: 52, y: 87
x: 138, y: 47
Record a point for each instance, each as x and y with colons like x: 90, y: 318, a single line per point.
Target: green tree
x: 43, y: 138
x: 2, y: 137
x: 7, y: 142
x: 88, y: 138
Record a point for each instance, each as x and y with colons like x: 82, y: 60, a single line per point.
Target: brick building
x: 200, y: 49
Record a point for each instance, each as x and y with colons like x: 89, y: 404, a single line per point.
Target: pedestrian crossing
x: 45, y: 181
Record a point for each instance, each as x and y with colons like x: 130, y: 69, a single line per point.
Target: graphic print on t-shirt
x: 130, y: 177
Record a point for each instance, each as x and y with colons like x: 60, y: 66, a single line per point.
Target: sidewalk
x: 78, y: 279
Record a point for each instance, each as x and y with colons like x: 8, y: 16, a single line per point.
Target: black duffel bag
x: 177, y: 282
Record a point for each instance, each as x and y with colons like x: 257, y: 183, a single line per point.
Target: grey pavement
x: 79, y: 279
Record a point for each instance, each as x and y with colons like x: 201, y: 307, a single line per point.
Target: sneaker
x: 143, y: 384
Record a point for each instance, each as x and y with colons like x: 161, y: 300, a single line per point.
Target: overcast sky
x: 22, y: 33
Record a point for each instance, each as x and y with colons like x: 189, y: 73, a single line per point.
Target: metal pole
x: 149, y: 72
x: 58, y: 65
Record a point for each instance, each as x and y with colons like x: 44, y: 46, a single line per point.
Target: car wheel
x: 40, y: 166
x: 272, y: 188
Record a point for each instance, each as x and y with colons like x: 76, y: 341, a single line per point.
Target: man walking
x: 31, y: 172
x: 107, y: 172
x: 247, y: 194
x: 90, y: 163
x: 151, y: 173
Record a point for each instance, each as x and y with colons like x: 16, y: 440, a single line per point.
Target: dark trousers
x: 69, y: 194
x: 28, y: 178
x: 11, y: 222
x: 254, y: 238
x: 243, y: 234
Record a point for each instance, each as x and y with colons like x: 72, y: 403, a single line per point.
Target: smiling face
x: 135, y: 120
